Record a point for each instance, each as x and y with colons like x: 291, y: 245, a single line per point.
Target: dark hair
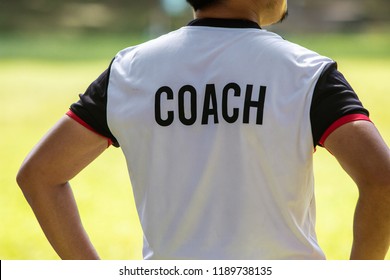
x: 200, y: 4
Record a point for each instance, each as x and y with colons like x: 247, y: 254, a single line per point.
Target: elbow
x: 29, y: 179
x: 374, y: 179
x: 378, y: 187
x: 21, y: 177
x: 24, y: 177
x: 35, y: 178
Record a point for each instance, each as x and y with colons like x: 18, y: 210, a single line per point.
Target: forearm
x: 57, y: 213
x: 372, y: 226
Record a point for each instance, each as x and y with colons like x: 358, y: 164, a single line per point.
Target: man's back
x: 215, y: 125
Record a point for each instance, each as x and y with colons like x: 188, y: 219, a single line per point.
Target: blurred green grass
x: 76, y: 47
x: 64, y: 46
x: 40, y: 76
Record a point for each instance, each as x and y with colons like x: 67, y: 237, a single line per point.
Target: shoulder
x: 290, y: 52
x: 148, y: 46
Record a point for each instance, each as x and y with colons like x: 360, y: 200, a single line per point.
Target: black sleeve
x: 333, y: 98
x: 92, y: 107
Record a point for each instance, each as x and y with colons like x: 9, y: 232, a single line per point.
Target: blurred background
x: 156, y: 16
x: 32, y: 21
x: 51, y: 50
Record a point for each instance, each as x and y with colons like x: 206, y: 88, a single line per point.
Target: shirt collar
x: 227, y: 23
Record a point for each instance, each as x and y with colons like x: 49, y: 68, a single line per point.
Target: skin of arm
x: 364, y: 155
x: 44, y: 179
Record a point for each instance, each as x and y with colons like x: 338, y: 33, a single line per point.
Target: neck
x: 229, y: 9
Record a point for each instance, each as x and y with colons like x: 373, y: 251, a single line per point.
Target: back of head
x: 201, y: 4
x: 267, y: 11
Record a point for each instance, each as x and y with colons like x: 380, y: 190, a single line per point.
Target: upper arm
x: 61, y: 154
x: 362, y: 153
x: 334, y: 103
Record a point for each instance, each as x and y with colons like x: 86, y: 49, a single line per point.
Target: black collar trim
x: 227, y: 23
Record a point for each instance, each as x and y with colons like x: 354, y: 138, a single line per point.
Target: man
x: 218, y: 122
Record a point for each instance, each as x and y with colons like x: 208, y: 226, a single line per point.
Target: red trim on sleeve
x: 340, y: 122
x: 83, y: 123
